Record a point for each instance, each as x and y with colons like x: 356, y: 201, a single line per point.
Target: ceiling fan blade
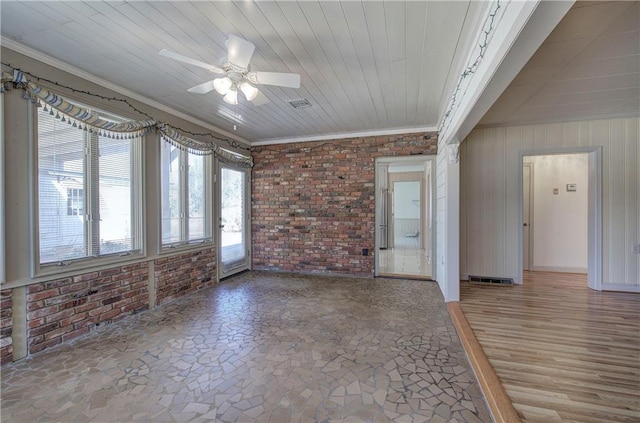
x: 202, y: 88
x: 190, y: 61
x: 260, y: 99
x: 291, y: 80
x: 239, y: 51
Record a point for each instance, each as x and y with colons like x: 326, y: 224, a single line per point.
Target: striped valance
x: 86, y: 119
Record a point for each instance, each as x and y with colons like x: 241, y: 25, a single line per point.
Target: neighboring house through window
x: 89, y: 195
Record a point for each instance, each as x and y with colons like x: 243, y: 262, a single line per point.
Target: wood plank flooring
x: 563, y: 352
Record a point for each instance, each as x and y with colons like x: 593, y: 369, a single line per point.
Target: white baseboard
x: 620, y: 287
x: 559, y: 269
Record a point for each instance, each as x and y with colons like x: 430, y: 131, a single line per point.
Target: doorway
x: 404, y: 229
x: 527, y: 170
x: 233, y: 220
x: 561, y: 213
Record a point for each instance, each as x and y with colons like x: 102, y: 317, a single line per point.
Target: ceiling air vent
x: 300, y: 104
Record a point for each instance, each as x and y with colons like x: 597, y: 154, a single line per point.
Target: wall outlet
x: 635, y: 248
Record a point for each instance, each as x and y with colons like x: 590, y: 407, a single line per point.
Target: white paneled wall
x: 447, y: 227
x: 489, y: 215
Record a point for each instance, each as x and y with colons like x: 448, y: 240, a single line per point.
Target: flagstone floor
x: 260, y: 347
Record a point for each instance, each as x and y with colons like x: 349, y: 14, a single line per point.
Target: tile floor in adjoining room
x: 405, y: 258
x: 260, y: 347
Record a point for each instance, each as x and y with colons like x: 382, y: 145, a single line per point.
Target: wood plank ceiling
x: 364, y: 66
x: 588, y: 68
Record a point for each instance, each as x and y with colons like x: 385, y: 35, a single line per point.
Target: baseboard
x: 620, y: 287
x: 559, y: 269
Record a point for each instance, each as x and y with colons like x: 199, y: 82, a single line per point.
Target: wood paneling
x: 562, y: 351
x: 489, y: 184
x: 364, y: 66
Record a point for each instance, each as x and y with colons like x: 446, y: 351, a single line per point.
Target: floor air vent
x: 491, y: 280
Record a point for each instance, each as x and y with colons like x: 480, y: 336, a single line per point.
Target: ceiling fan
x: 237, y: 77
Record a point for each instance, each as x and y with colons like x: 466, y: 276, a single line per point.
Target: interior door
x: 234, y: 252
x: 526, y: 216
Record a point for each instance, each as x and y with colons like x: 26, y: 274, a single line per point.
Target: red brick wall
x: 313, y: 205
x: 63, y: 309
x: 6, y: 325
x: 185, y: 273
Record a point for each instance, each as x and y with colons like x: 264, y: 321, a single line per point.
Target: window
x: 75, y: 200
x: 186, y: 196
x: 88, y: 193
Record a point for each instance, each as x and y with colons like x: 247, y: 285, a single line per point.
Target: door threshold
x: 403, y: 276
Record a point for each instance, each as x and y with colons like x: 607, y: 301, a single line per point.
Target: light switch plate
x: 556, y: 191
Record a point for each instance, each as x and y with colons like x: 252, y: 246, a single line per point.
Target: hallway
x: 261, y: 347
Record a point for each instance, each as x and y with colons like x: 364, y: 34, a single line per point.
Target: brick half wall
x: 65, y: 308
x: 184, y: 273
x: 6, y: 326
x: 313, y: 204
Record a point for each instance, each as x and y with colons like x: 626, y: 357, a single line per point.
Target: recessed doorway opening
x: 561, y: 213
x: 404, y: 228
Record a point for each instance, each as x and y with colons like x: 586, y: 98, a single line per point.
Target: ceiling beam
x: 515, y: 33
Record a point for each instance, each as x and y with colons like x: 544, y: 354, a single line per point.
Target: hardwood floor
x: 563, y: 352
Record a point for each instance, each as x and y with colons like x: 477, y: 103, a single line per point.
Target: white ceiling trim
x: 44, y: 58
x: 523, y: 29
x: 344, y: 135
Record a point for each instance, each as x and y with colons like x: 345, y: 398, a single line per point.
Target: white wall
x: 489, y: 194
x: 447, y: 255
x: 559, y: 221
x: 406, y: 199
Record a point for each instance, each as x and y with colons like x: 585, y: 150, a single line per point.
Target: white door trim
x: 430, y: 163
x: 529, y: 249
x: 594, y: 230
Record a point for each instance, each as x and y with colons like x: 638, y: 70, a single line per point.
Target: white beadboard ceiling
x: 588, y: 68
x: 366, y: 66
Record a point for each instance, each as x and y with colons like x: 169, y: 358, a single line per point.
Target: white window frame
x: 137, y: 203
x: 185, y: 244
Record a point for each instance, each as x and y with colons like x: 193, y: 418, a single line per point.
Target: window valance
x: 84, y: 118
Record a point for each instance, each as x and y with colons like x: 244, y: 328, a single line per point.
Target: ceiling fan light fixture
x: 222, y: 85
x: 231, y: 97
x: 249, y: 91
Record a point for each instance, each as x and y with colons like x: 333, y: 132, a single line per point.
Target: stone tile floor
x: 260, y: 347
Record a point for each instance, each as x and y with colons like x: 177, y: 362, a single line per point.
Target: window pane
x: 115, y: 193
x: 232, y: 214
x: 60, y: 190
x: 197, y: 197
x: 171, y: 193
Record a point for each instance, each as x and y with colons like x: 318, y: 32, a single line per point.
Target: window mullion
x: 184, y: 196
x: 93, y: 194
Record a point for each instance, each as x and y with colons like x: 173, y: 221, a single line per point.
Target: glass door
x: 233, y: 220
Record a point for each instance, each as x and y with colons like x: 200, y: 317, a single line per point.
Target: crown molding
x: 344, y: 135
x: 63, y: 66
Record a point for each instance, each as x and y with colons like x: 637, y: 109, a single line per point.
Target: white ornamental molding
x: 491, y: 22
x: 454, y: 152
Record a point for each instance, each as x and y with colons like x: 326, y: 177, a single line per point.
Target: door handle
x: 526, y: 224
x: 220, y: 226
